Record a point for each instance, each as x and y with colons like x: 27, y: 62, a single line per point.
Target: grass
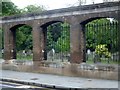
x: 89, y: 61
x: 21, y: 57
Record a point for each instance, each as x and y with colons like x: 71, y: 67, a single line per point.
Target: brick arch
x: 16, y: 26
x: 19, y: 24
x: 92, y: 19
x: 44, y: 35
x: 10, y: 41
x: 46, y: 24
x: 89, y: 20
x: 77, y: 17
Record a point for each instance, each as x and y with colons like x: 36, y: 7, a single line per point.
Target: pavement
x: 56, y: 80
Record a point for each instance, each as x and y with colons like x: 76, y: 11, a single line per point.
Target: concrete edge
x: 35, y: 84
x: 53, y: 87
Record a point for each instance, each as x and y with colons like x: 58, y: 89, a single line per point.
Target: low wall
x: 99, y: 71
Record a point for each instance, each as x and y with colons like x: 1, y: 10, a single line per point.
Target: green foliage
x: 98, y: 38
x: 63, y: 43
x: 32, y: 9
x: 23, y: 33
x: 58, y: 37
x: 53, y: 34
x: 22, y: 57
x: 102, y: 50
x: 8, y: 8
x: 100, y: 32
x: 24, y: 38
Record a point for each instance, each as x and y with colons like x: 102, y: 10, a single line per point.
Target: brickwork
x: 77, y: 17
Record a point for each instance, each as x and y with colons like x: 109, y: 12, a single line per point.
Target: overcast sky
x: 50, y: 4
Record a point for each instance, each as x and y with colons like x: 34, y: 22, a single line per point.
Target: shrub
x: 102, y: 50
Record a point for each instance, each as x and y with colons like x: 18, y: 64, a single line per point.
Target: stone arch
x: 77, y: 17
x: 44, y: 35
x: 16, y: 26
x: 49, y: 23
x: 10, y: 41
x: 92, y: 19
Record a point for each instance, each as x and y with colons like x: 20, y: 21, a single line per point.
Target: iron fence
x: 58, y: 42
x: 102, y: 42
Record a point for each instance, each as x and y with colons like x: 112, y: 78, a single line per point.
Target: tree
x: 8, y: 8
x: 63, y: 43
x: 23, y: 33
x: 24, y: 38
x: 53, y: 34
x: 100, y: 32
x: 58, y: 37
x: 33, y: 9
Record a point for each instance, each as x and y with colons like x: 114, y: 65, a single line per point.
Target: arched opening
x: 57, y: 42
x: 102, y: 41
x: 21, y: 42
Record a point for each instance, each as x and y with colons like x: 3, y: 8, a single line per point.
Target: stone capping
x: 83, y: 66
x: 70, y: 9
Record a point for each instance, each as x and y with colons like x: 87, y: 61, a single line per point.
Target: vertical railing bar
x: 111, y: 35
x: 113, y: 41
x: 92, y: 26
x: 99, y: 39
x: 105, y: 35
x: 62, y: 51
x: 116, y: 28
x: 88, y: 26
x: 86, y: 35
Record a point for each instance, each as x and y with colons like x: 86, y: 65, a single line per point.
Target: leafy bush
x: 102, y: 50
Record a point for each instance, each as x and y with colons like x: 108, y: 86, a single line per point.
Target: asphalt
x: 55, y: 80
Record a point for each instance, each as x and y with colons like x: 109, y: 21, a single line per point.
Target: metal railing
x: 58, y: 42
x: 102, y: 42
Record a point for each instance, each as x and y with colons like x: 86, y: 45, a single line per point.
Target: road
x: 4, y: 85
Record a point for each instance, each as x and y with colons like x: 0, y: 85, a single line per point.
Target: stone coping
x: 63, y: 10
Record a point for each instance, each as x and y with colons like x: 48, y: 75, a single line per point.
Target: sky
x: 50, y: 4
